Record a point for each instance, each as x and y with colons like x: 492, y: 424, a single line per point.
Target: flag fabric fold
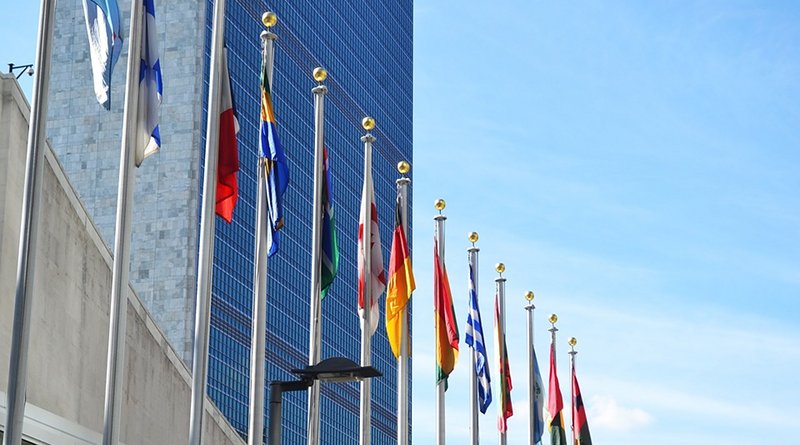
x: 474, y: 338
x: 105, y: 44
x: 274, y: 161
x: 330, y: 243
x: 555, y: 404
x: 148, y: 137
x: 377, y: 275
x: 581, y: 433
x: 506, y: 409
x: 228, y: 161
x: 444, y: 318
x: 538, y: 402
x: 401, y: 283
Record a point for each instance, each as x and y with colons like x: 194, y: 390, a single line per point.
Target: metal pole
x: 255, y: 432
x: 275, y: 412
x: 29, y: 227
x: 472, y: 255
x: 365, y: 422
x: 501, y: 303
x: 315, y: 331
x: 122, y: 237
x: 440, y: 418
x: 402, y: 360
x: 207, y: 222
x: 572, y: 353
x: 531, y: 371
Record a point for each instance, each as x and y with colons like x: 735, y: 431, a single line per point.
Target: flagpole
x: 572, y: 342
x: 402, y: 361
x: 500, y: 283
x: 365, y: 421
x: 440, y: 386
x: 29, y: 226
x: 472, y: 256
x: 122, y: 237
x: 207, y: 223
x: 553, y: 329
x: 531, y: 369
x: 255, y: 431
x: 315, y: 335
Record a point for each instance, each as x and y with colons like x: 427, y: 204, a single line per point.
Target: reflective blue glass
x: 367, y: 49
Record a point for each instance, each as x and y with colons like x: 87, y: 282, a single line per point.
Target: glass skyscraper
x: 367, y: 49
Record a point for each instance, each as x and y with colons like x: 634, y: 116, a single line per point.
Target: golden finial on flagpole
x: 553, y: 319
x: 368, y: 123
x: 320, y: 74
x: 573, y: 341
x: 529, y: 295
x: 500, y: 268
x: 269, y: 19
x: 403, y: 167
x: 439, y: 204
x: 473, y: 238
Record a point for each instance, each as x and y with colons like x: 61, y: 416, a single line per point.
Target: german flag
x: 401, y: 284
x: 581, y: 433
x: 446, y: 328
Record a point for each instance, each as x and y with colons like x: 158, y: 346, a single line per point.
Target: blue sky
x: 635, y: 164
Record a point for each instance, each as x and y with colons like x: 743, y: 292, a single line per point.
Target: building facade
x: 367, y: 49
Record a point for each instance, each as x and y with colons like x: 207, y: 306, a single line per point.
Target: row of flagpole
x: 446, y: 333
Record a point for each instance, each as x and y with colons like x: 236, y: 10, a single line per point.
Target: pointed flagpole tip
x: 368, y: 123
x: 553, y: 319
x: 573, y: 341
x: 440, y: 204
x: 529, y: 295
x: 320, y: 74
x: 403, y: 167
x: 472, y: 237
x: 269, y: 19
x: 500, y: 268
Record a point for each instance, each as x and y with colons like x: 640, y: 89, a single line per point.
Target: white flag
x: 377, y: 275
x: 105, y: 44
x: 148, y: 138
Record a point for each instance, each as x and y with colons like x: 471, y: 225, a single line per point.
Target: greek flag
x: 105, y: 44
x: 474, y: 338
x: 148, y: 138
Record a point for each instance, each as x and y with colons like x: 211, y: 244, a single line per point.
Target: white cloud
x: 606, y: 412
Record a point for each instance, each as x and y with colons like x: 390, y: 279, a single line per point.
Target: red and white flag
x: 377, y: 274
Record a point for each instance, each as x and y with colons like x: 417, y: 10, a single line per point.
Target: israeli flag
x: 148, y: 140
x: 105, y: 44
x: 474, y: 338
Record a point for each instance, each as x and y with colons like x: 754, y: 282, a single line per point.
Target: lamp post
x: 334, y: 369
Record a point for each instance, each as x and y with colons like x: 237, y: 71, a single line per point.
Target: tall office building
x: 367, y: 49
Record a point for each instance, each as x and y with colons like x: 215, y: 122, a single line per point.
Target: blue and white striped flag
x: 474, y: 338
x: 105, y: 44
x: 148, y: 138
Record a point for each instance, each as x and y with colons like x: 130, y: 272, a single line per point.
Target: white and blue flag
x: 105, y: 44
x: 474, y: 338
x: 148, y: 138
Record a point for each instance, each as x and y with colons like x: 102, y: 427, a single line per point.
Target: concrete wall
x: 69, y: 330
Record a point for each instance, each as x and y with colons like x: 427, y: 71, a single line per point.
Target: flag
x: 581, y: 433
x: 274, y: 158
x: 555, y: 404
x: 506, y: 410
x: 445, y: 320
x: 148, y: 138
x: 474, y: 338
x: 376, y: 274
x: 105, y: 44
x: 401, y: 284
x: 228, y: 162
x: 330, y: 245
x: 538, y: 402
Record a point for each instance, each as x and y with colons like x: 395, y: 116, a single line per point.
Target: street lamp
x: 334, y: 369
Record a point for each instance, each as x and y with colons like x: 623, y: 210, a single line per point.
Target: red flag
x: 228, y: 161
x: 581, y: 432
